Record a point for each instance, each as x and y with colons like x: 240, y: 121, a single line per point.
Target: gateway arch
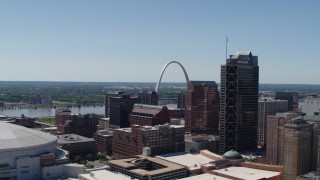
x: 165, y: 67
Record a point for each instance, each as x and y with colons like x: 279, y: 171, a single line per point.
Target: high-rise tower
x: 202, y: 107
x: 239, y: 102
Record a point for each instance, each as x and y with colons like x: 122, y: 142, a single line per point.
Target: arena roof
x: 17, y: 137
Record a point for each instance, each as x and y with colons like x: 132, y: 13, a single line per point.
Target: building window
x: 24, y: 171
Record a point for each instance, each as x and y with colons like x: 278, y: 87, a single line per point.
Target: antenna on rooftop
x: 226, y: 47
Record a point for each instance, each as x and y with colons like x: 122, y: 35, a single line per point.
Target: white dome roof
x: 14, y: 137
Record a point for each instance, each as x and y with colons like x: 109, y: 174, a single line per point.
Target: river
x: 46, y: 112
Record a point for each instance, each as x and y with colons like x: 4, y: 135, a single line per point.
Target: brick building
x: 103, y: 141
x: 83, y: 125
x: 159, y: 139
x: 275, y: 137
x: 298, y: 148
x: 202, y: 107
x: 149, y: 115
x: 148, y: 168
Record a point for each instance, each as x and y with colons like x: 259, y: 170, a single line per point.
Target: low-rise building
x: 154, y: 140
x: 195, y: 143
x: 205, y: 176
x: 148, y: 168
x: 102, y: 175
x: 193, y: 162
x: 77, y: 145
x: 234, y: 172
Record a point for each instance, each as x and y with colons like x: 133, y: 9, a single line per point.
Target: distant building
x: 84, y: 125
x: 292, y: 98
x: 181, y: 100
x: 149, y: 115
x: 146, y: 97
x: 239, y: 103
x: 118, y: 107
x: 298, y: 148
x: 202, y: 107
x: 268, y: 107
x: 104, y: 124
x: 154, y: 140
x: 77, y: 145
x: 40, y: 100
x: 104, y: 141
x: 1, y: 104
x: 35, y: 100
x: 275, y: 137
x: 148, y: 168
x: 311, y: 105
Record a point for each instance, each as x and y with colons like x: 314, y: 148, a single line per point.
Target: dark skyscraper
x: 150, y: 98
x: 202, y: 107
x: 119, y: 108
x: 239, y: 103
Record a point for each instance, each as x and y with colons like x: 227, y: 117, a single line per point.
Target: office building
x: 118, y: 107
x: 298, y: 150
x: 239, y: 103
x: 148, y: 140
x: 149, y: 115
x: 268, y: 107
x: 148, y: 168
x: 83, y: 125
x: 292, y: 98
x: 275, y: 137
x: 146, y: 97
x: 202, y: 107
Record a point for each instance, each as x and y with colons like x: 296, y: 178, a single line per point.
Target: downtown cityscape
x: 66, y: 113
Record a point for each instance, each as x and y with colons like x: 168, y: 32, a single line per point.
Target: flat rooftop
x: 205, y: 177
x: 72, y: 138
x: 130, y: 165
x: 246, y: 173
x: 102, y: 174
x: 192, y: 161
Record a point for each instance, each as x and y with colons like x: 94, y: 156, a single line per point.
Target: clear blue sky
x: 77, y: 40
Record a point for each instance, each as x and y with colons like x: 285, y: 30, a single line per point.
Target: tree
x: 78, y: 159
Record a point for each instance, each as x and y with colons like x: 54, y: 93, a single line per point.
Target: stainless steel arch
x: 165, y: 67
